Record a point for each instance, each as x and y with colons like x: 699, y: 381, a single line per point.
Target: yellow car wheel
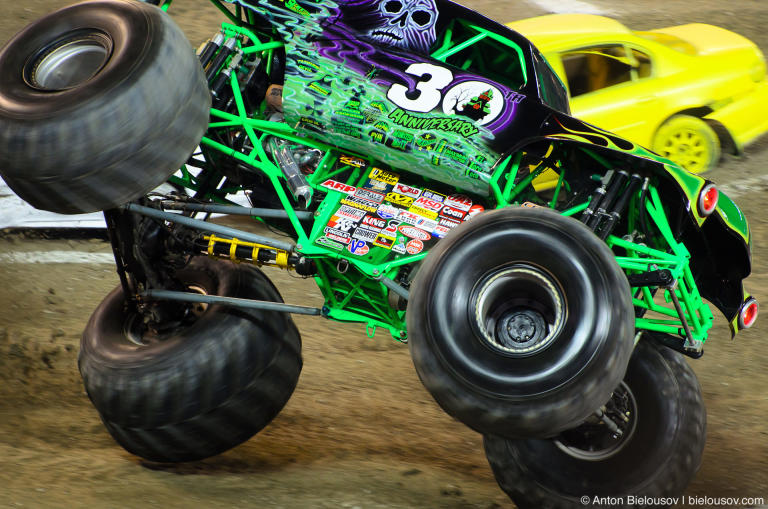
x: 689, y: 142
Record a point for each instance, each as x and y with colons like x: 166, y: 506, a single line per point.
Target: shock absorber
x: 226, y: 51
x: 219, y: 84
x: 210, y: 49
x: 293, y: 176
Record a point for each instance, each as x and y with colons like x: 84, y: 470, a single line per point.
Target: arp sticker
x: 365, y: 234
x: 384, y: 241
x: 414, y: 233
x: 405, y: 190
x: 339, y: 186
x: 384, y: 176
x: 337, y: 235
x: 427, y: 203
x: 369, y: 195
x: 361, y: 204
x: 458, y: 201
x: 374, y: 222
x: 352, y: 161
x: 387, y: 211
x: 452, y: 213
x: 358, y: 247
x: 350, y: 212
x: 331, y: 244
x: 432, y: 195
x: 399, y: 199
x: 415, y: 246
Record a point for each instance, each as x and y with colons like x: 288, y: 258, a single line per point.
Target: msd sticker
x: 339, y: 186
x: 410, y: 192
x: 458, y: 201
x: 428, y: 204
x: 414, y: 247
x: 414, y: 233
x: 384, y: 176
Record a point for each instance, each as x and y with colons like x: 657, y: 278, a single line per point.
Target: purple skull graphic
x: 406, y: 24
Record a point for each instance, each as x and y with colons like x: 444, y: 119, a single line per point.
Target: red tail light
x: 748, y: 313
x: 708, y: 199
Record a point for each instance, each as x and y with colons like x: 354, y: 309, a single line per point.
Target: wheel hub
x: 68, y: 62
x: 518, y: 310
x: 594, y: 440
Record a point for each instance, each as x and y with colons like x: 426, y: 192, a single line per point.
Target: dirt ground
x: 360, y: 430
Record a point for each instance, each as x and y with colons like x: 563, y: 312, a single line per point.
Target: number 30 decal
x: 427, y: 96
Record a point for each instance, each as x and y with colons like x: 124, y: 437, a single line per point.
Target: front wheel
x: 688, y: 141
x: 520, y: 322
x: 659, y: 412
x: 204, y: 383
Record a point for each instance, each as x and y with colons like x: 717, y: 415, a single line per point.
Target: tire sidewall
x: 658, y: 460
x: 445, y: 344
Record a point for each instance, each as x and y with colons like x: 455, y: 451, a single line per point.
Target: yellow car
x: 687, y: 92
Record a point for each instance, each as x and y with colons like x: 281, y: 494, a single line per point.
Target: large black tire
x: 657, y: 456
x: 133, y: 109
x: 520, y: 323
x: 202, y: 388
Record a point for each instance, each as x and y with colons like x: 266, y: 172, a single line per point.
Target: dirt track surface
x: 360, y: 430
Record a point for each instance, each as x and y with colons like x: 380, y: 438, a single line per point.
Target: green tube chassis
x: 708, y: 257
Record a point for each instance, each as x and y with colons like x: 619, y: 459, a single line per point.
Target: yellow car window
x: 594, y: 68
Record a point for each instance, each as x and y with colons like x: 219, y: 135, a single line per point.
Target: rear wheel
x: 520, y: 323
x: 100, y: 102
x: 659, y: 413
x: 207, y: 382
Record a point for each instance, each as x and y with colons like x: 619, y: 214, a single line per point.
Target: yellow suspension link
x: 281, y: 259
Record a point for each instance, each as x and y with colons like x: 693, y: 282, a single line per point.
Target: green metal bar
x: 511, y: 178
x: 575, y: 210
x: 507, y: 43
x: 558, y: 186
x: 441, y: 56
x: 263, y: 47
